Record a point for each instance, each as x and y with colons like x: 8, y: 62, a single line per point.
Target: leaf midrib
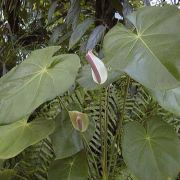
x: 139, y: 37
x: 37, y: 75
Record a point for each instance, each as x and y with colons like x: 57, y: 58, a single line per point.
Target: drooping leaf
x: 66, y: 140
x: 51, y: 11
x: 56, y: 33
x: 73, y: 168
x: 39, y: 78
x: 64, y: 37
x: 168, y: 99
x: 17, y: 136
x: 151, y: 55
x: 80, y: 31
x: 127, y: 8
x: 95, y: 37
x: 151, y: 153
x: 73, y: 13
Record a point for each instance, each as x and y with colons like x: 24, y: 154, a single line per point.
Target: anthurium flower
x: 98, y: 69
x: 80, y: 121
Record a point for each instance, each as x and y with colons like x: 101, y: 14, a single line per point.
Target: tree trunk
x: 105, y: 12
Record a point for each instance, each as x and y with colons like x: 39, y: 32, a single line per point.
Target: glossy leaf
x: 168, y: 99
x: 95, y: 37
x: 150, y: 54
x: 17, y: 136
x: 151, y: 153
x: 79, y: 32
x: 73, y: 168
x: 66, y: 140
x: 39, y: 78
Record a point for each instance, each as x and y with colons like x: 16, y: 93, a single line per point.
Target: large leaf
x: 168, y: 99
x: 66, y: 140
x: 79, y: 32
x: 17, y: 136
x: 151, y: 153
x: 39, y: 78
x: 151, y: 53
x: 52, y: 10
x: 73, y: 13
x: 73, y: 168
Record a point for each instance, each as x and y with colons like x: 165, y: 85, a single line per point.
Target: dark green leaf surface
x: 17, y: 136
x: 151, y: 153
x: 151, y: 54
x: 168, y: 99
x: 51, y: 11
x: 73, y: 168
x: 79, y: 32
x: 39, y: 78
x: 66, y: 140
x: 95, y: 37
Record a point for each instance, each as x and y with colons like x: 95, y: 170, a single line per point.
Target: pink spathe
x: 98, y: 69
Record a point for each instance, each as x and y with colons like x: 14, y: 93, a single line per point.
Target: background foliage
x: 78, y: 26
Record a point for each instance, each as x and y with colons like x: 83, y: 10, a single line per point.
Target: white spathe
x: 98, y: 69
x: 118, y: 16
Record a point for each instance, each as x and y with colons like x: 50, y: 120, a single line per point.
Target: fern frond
x: 33, y: 162
x: 103, y: 106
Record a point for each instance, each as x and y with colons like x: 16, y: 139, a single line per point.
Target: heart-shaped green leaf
x: 168, y: 99
x: 150, y: 55
x: 17, y: 136
x: 66, y: 140
x: 39, y: 78
x: 73, y: 168
x: 151, y: 153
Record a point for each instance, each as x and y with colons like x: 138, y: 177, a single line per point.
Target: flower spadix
x: 98, y: 69
x: 80, y: 121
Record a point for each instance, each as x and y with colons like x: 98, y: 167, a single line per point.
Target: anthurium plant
x: 105, y: 113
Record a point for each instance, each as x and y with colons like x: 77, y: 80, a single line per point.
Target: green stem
x: 89, y: 149
x: 117, y: 138
x: 105, y: 138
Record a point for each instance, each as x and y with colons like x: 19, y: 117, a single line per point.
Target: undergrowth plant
x: 115, y: 116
